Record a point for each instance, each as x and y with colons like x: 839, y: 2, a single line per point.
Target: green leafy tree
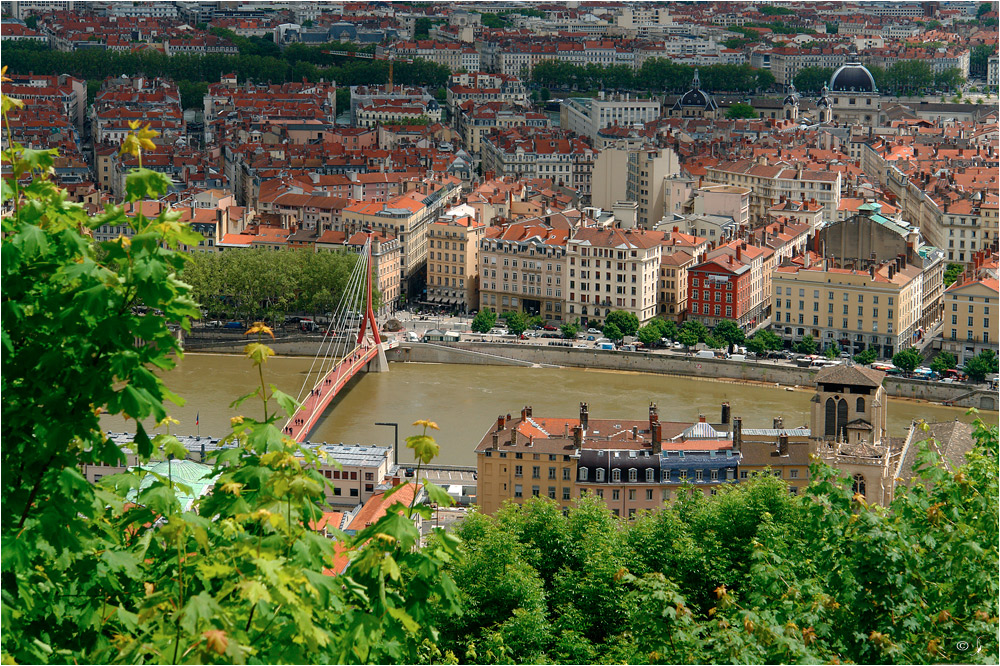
x: 484, y: 321
x: 696, y: 328
x: 612, y: 332
x: 812, y: 79
x: 729, y: 332
x: 516, y: 322
x: 570, y: 329
x: 536, y: 321
x: 687, y: 337
x: 715, y: 342
x: 740, y: 110
x: 952, y: 273
x: 907, y: 360
x: 807, y: 345
x: 120, y: 571
x: 774, y: 10
x: 867, y: 356
x: 649, y: 334
x: 545, y: 95
x: 756, y: 345
x: 832, y: 351
x: 832, y: 29
x: 984, y: 8
x: 981, y: 365
x: 626, y: 322
x: 943, y: 361
x: 668, y: 328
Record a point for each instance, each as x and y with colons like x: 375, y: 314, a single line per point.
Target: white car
x: 594, y: 331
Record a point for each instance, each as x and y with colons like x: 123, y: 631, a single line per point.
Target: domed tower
x: 855, y: 95
x: 824, y: 106
x: 695, y: 103
x: 790, y: 105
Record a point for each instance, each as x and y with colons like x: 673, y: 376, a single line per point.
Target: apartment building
x: 453, y: 243
x: 533, y: 153
x: 732, y: 283
x: 855, y: 309
x: 406, y: 217
x: 397, y: 112
x: 369, y: 95
x: 523, y: 268
x: 770, y: 185
x: 484, y: 87
x: 647, y: 173
x: 63, y: 92
x: 386, y: 263
x: 453, y: 55
x: 970, y: 318
x: 474, y: 120
x: 672, y: 301
x: 613, y: 269
x: 633, y: 465
x: 586, y: 116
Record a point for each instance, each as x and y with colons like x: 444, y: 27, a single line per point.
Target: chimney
x: 782, y: 447
x: 701, y: 418
x: 654, y: 414
x: 531, y: 440
x: 584, y: 416
x: 737, y: 434
x: 871, y: 271
x: 725, y: 413
x: 902, y: 261
x: 577, y: 437
x: 657, y: 433
x: 779, y: 423
x: 635, y: 432
x: 501, y: 422
x: 524, y: 413
x: 739, y: 253
x: 496, y: 440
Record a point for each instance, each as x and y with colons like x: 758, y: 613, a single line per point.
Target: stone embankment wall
x: 480, y: 353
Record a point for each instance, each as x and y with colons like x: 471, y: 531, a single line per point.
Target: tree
x: 422, y: 27
x: 774, y: 10
x: 649, y: 335
x: 516, y: 322
x: 807, y: 345
x: 687, y: 337
x: 984, y: 8
x: 812, y: 79
x: 536, y: 321
x: 865, y: 357
x: 545, y: 95
x: 952, y: 273
x: 756, y: 345
x: 729, y: 332
x: 907, y: 360
x: 668, y: 328
x: 484, y: 321
x: 612, y: 332
x: 832, y: 29
x: 832, y: 351
x: 626, y: 322
x: 985, y: 363
x: 119, y: 570
x: 697, y: 329
x: 740, y: 110
x: 570, y: 329
x: 714, y: 342
x: 943, y: 361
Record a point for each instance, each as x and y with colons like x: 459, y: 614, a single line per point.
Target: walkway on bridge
x: 342, y: 355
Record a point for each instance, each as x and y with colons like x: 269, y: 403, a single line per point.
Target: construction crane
x: 372, y: 56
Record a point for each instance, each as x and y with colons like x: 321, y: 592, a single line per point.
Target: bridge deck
x: 326, y: 389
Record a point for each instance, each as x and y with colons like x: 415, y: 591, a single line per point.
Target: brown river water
x: 464, y: 400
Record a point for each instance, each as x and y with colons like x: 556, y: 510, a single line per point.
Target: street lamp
x: 395, y: 430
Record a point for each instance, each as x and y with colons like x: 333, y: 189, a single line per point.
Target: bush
x: 484, y: 321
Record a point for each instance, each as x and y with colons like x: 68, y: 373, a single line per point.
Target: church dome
x: 853, y: 77
x: 792, y: 98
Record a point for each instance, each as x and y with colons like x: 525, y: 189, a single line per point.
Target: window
x: 698, y: 474
x: 616, y: 494
x: 536, y: 472
x: 633, y: 474
x: 552, y: 492
x: 714, y: 475
x: 354, y: 492
x: 518, y: 470
x: 565, y: 494
x: 743, y: 474
x: 600, y: 474
x: 649, y: 493
x: 518, y: 490
x: 616, y: 476
x: 566, y: 473
x: 859, y: 484
x: 534, y: 491
x: 552, y: 473
x: 793, y: 474
x: 649, y: 475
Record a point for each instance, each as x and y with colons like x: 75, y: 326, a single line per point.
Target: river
x: 464, y: 399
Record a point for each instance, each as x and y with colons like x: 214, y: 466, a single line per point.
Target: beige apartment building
x: 453, y: 244
x: 632, y: 465
x: 772, y: 184
x: 522, y: 268
x: 673, y: 284
x: 613, y: 269
x: 645, y: 172
x: 855, y: 309
x: 970, y: 321
x: 386, y: 262
x: 406, y: 217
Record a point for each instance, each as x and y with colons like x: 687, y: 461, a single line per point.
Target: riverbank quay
x: 684, y: 365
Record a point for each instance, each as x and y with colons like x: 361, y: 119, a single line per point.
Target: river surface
x: 465, y: 399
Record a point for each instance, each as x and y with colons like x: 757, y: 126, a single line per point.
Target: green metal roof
x: 197, y: 477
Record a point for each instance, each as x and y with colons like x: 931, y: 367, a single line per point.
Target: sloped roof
x: 850, y: 375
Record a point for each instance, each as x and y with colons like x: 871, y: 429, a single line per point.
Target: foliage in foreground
x: 752, y: 575
x: 120, y: 572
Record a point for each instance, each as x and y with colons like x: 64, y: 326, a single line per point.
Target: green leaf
x: 287, y: 402
x: 437, y: 494
x: 141, y: 184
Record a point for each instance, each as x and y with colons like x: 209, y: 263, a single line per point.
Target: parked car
x: 590, y: 338
x: 215, y: 323
x: 550, y: 327
x: 594, y: 331
x: 233, y: 324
